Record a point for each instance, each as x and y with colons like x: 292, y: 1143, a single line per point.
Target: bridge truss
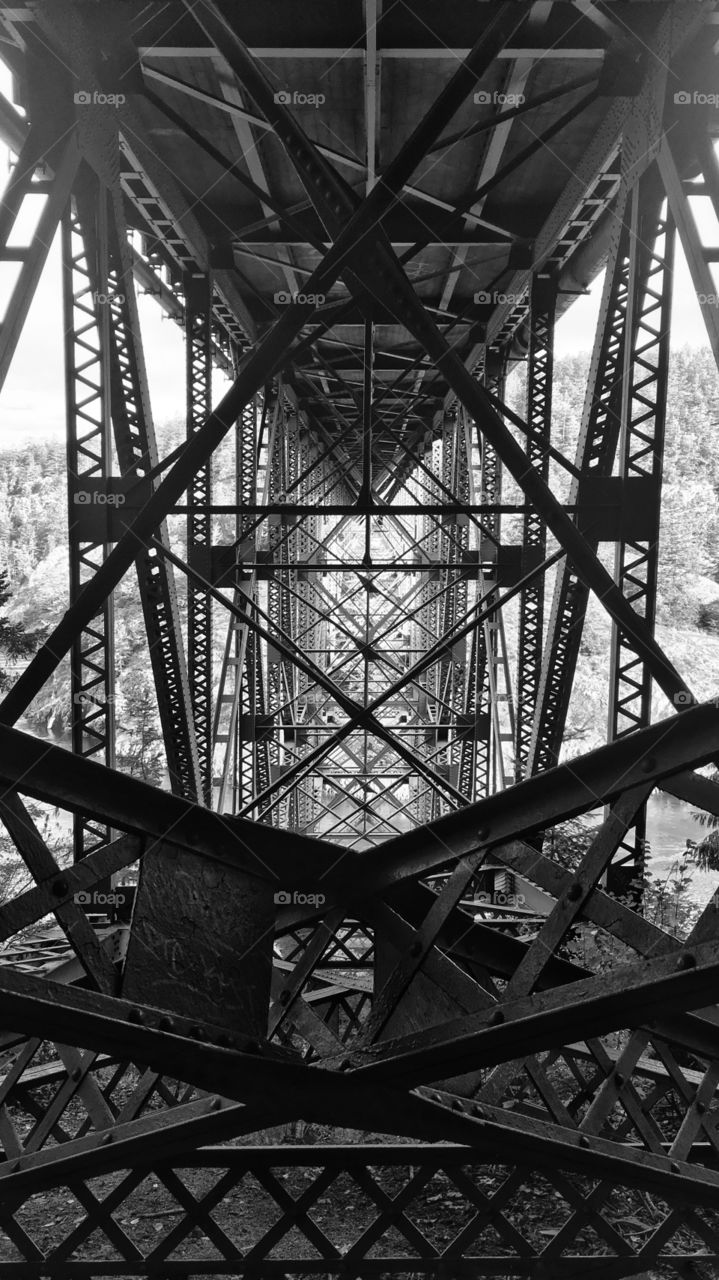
x: 365, y: 216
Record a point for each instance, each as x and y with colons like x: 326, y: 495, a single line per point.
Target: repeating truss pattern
x: 87, y: 347
x: 357, y: 1017
x: 539, y: 422
x: 642, y: 447
x: 199, y: 521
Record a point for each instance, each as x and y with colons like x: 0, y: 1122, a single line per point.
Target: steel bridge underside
x: 357, y: 900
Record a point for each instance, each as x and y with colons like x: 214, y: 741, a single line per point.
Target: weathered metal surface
x: 201, y: 941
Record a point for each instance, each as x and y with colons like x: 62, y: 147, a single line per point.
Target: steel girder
x: 644, y: 381
x: 596, y: 448
x: 136, y: 448
x: 539, y: 420
x: 380, y: 965
x: 87, y: 362
x: 197, y: 289
x: 30, y: 178
x: 493, y: 770
x: 232, y: 739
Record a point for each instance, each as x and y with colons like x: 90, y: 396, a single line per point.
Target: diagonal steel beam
x: 474, y: 618
x: 359, y: 716
x: 254, y: 372
x: 69, y: 914
x: 380, y: 272
x: 55, y: 775
x: 241, y: 1072
x: 626, y: 997
x: 495, y: 35
x: 568, y: 907
x: 253, y: 375
x: 149, y: 1138
x: 681, y: 742
x: 35, y: 256
x: 55, y: 888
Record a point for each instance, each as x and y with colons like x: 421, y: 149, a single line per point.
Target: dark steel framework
x: 365, y: 752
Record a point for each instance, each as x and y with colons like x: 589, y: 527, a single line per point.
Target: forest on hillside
x: 33, y: 553
x: 687, y: 614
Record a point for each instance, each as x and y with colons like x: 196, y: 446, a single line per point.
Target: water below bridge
x: 670, y: 823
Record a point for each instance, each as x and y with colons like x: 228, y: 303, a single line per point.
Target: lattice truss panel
x: 372, y: 1008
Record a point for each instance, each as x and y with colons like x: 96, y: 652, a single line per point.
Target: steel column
x: 539, y: 421
x: 197, y: 290
x: 87, y: 379
x: 596, y: 450
x: 645, y: 379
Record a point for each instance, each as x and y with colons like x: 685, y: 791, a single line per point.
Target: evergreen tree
x: 140, y: 748
x: 15, y: 641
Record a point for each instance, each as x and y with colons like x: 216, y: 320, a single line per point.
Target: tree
x: 705, y: 853
x: 16, y: 642
x: 140, y: 748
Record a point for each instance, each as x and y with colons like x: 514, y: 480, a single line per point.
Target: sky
x: 32, y: 405
x: 32, y: 402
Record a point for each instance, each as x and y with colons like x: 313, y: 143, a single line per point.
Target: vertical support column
x: 428, y: 625
x: 198, y: 290
x: 253, y: 744
x: 293, y: 612
x: 641, y: 457
x: 279, y: 685
x: 475, y: 727
x: 233, y: 764
x: 489, y: 773
x: 539, y: 421
x: 136, y: 448
x: 258, y: 693
x: 309, y: 626
x: 247, y: 457
x: 452, y: 670
x: 87, y: 342
x: 596, y: 450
